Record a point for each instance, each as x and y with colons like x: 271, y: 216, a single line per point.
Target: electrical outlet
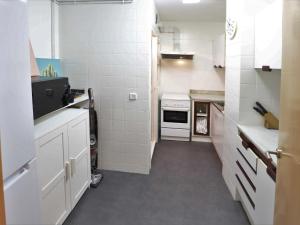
x: 133, y: 96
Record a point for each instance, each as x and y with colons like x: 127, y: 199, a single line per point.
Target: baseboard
x: 153, y: 143
x: 201, y: 139
x: 127, y: 168
x: 175, y: 138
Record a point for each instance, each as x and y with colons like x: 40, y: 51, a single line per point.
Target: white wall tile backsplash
x: 40, y: 27
x: 43, y: 28
x: 181, y: 76
x: 107, y: 47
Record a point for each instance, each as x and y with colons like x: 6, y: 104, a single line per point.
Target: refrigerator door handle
x: 16, y: 177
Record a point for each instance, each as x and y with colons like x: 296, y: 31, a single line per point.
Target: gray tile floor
x: 185, y: 187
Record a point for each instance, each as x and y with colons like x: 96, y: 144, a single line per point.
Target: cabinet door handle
x: 73, y: 166
x: 68, y: 170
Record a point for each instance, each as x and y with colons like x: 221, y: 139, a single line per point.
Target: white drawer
x: 248, y: 169
x: 250, y: 209
x: 169, y: 132
x: 248, y: 155
x: 249, y: 186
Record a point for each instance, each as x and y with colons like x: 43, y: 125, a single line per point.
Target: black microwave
x: 49, y: 94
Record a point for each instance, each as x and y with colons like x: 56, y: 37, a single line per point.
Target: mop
x: 96, y: 174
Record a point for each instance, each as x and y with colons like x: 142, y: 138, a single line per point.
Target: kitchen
x: 181, y: 110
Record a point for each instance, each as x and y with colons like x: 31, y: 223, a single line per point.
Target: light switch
x: 133, y: 96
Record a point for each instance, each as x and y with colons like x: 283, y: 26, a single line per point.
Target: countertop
x: 264, y: 139
x: 210, y: 96
x: 55, y: 120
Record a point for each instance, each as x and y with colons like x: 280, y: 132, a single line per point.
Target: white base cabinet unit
x: 63, y: 159
x: 255, y: 183
x: 217, y: 129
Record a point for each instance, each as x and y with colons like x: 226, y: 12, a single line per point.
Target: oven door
x: 178, y: 118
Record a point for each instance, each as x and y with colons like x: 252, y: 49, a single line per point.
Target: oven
x: 178, y: 118
x: 175, y: 117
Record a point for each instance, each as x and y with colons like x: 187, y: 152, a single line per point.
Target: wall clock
x: 231, y: 28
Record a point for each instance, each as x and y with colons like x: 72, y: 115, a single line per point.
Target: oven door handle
x: 175, y: 109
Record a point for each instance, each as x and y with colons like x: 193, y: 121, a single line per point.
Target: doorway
x: 154, y: 91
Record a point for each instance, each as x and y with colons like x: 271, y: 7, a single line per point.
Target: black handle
x: 259, y: 111
x: 266, y: 69
x: 262, y: 108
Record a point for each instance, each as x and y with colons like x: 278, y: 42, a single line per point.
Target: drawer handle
x: 254, y: 170
x: 246, y: 176
x: 245, y: 144
x: 245, y: 191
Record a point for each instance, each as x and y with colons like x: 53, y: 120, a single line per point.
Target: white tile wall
x: 108, y: 47
x: 197, y: 74
x: 43, y: 28
x: 244, y: 84
x: 40, y: 27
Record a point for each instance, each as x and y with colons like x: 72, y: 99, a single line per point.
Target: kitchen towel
x: 201, y: 125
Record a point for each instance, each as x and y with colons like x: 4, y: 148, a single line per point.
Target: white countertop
x: 208, y: 97
x: 264, y: 139
x: 52, y: 121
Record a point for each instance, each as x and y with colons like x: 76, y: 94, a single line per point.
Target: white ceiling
x: 206, y: 10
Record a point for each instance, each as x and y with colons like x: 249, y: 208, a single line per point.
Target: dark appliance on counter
x: 50, y: 94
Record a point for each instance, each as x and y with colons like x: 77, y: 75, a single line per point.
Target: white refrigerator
x: 22, y: 201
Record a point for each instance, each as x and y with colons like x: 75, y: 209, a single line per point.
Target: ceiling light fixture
x: 190, y: 1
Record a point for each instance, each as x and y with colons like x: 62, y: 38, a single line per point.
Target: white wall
x: 108, y: 47
x: 244, y: 84
x: 182, y: 75
x: 43, y: 28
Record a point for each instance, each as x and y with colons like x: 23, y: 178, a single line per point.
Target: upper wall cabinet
x: 268, y: 36
x: 219, y: 51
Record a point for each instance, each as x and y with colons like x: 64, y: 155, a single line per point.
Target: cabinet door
x: 219, y: 131
x: 54, y: 183
x: 219, y: 51
x: 217, y: 126
x: 265, y: 198
x: 79, y: 156
x: 268, y: 36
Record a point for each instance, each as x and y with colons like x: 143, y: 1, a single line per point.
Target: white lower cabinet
x: 51, y: 171
x: 265, y: 196
x: 79, y: 157
x: 217, y: 130
x: 255, y: 187
x: 63, y: 158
